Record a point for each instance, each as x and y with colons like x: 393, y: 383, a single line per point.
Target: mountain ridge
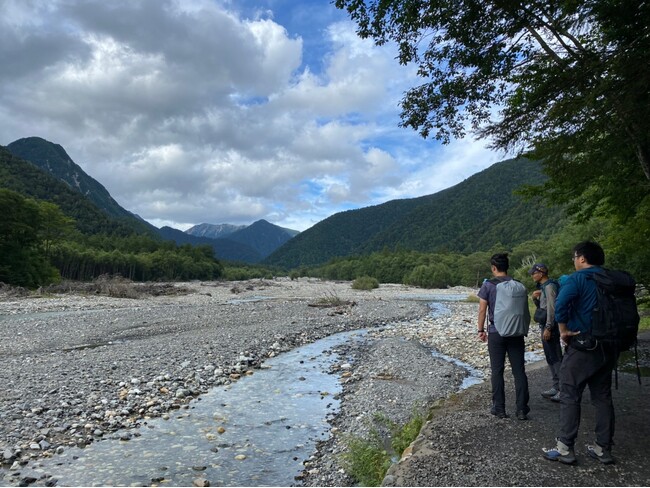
x: 476, y: 214
x: 50, y: 162
x: 480, y: 212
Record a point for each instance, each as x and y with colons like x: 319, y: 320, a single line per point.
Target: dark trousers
x: 579, y: 369
x: 553, y: 354
x: 514, y: 347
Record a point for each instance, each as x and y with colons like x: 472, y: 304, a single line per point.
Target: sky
x: 221, y: 111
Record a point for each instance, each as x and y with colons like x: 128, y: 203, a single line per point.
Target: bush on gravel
x: 365, y: 283
x: 366, y: 460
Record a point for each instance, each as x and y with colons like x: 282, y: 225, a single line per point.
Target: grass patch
x: 472, y: 299
x: 401, y: 437
x: 331, y: 300
x: 366, y: 460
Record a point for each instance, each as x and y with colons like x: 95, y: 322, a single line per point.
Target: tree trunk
x: 643, y: 153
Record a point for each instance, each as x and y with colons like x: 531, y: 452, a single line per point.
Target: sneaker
x: 521, y: 415
x: 555, y: 398
x: 550, y: 393
x: 561, y: 453
x: 603, y: 455
x: 498, y: 414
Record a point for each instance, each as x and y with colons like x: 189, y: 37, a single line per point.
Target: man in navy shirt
x: 586, y: 361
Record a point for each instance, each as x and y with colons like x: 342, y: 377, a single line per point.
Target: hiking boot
x: 555, y: 398
x: 561, y: 453
x: 603, y: 455
x: 521, y: 415
x: 498, y: 414
x: 550, y: 393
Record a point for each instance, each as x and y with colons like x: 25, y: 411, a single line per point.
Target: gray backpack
x: 511, y: 314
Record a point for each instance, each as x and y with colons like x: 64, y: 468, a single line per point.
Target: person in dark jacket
x: 586, y: 361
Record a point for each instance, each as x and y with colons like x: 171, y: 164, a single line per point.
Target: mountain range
x: 44, y: 170
x: 477, y: 214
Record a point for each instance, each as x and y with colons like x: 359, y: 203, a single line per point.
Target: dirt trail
x: 463, y: 445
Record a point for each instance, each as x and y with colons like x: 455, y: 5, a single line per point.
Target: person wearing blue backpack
x: 544, y: 298
x: 586, y: 362
x: 504, y: 301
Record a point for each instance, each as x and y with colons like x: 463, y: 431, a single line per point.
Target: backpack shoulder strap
x: 550, y: 281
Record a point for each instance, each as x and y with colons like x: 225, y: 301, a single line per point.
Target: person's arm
x: 551, y: 294
x: 482, y: 312
x: 568, y: 293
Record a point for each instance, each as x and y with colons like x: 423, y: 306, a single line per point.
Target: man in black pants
x: 585, y: 362
x: 499, y: 346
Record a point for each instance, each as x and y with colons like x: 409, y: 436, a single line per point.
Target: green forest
x: 443, y: 269
x: 40, y: 245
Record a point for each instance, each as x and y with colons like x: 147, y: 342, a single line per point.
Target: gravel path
x: 463, y: 445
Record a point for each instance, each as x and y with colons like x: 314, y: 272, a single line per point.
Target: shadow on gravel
x: 466, y: 446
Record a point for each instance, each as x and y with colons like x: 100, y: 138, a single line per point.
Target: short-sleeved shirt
x: 488, y: 292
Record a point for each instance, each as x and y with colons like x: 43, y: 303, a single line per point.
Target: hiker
x: 586, y: 361
x: 499, y: 346
x: 544, y: 298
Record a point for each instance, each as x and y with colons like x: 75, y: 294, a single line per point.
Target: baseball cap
x: 541, y: 267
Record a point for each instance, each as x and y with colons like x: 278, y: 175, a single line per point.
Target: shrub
x: 365, y: 283
x: 403, y: 436
x: 436, y: 275
x: 366, y: 460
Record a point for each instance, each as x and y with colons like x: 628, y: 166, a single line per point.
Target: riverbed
x: 84, y: 368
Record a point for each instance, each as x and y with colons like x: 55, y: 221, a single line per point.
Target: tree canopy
x: 570, y: 81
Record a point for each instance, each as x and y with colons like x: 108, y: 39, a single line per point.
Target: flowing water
x: 255, y: 432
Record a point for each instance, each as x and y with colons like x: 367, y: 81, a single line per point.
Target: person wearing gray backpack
x: 505, y: 303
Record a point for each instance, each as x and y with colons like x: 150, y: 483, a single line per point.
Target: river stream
x: 255, y: 432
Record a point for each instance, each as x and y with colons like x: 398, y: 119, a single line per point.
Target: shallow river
x: 255, y: 432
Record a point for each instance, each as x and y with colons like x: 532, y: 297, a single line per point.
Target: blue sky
x: 204, y: 111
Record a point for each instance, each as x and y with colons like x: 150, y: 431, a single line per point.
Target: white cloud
x: 193, y: 111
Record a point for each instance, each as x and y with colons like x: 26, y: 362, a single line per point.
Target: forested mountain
x: 53, y: 159
x: 52, y: 232
x: 224, y: 249
x: 263, y: 236
x: 28, y: 179
x: 473, y: 215
x: 250, y: 244
x: 59, y: 179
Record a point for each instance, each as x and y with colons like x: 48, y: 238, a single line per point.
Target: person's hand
x: 547, y: 334
x: 537, y: 294
x: 567, y: 335
x: 482, y: 336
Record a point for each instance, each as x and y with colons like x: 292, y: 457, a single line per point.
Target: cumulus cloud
x: 202, y: 111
